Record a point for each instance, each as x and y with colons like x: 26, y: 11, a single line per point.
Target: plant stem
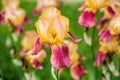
x: 93, y: 55
x: 57, y: 74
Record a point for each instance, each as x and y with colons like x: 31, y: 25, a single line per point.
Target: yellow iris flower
x: 27, y: 43
x: 115, y: 25
x: 77, y: 70
x: 96, y: 4
x: 115, y: 4
x: 30, y: 37
x: 10, y: 3
x: 109, y: 46
x: 13, y: 13
x: 52, y: 27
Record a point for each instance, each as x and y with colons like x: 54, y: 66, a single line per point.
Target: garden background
x: 10, y: 71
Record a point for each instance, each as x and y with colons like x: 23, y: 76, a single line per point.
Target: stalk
x: 93, y: 54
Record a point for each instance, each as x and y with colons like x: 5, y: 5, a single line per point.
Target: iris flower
x: 52, y: 27
x: 115, y: 25
x: 41, y: 4
x: 96, y: 4
x: 77, y: 70
x: 14, y: 15
x: 32, y: 51
x: 87, y: 18
x: 108, y: 44
x: 60, y: 57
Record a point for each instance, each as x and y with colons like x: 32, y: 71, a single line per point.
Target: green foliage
x: 9, y: 71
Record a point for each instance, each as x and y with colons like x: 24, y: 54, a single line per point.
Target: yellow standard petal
x: 15, y: 15
x: 52, y: 27
x: 10, y: 3
x: 109, y: 46
x: 115, y: 25
x: 29, y: 40
x: 96, y: 4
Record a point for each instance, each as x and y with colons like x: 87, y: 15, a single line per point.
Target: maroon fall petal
x: 37, y: 46
x: 111, y: 11
x: 2, y: 19
x: 100, y: 58
x: 74, y: 39
x: 27, y: 21
x: 20, y: 28
x: 60, y: 58
x: 102, y: 22
x: 37, y: 64
x: 87, y: 19
x: 105, y: 35
x: 78, y: 71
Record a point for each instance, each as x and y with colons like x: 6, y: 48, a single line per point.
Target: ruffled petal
x: 87, y: 19
x: 105, y: 35
x: 78, y: 71
x: 60, y: 57
x: 100, y: 58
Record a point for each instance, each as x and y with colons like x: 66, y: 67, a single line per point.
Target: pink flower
x: 105, y: 35
x: 100, y: 58
x: 60, y: 57
x: 77, y: 71
x: 87, y: 19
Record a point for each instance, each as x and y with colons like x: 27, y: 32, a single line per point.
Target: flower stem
x: 93, y: 54
x: 57, y: 74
